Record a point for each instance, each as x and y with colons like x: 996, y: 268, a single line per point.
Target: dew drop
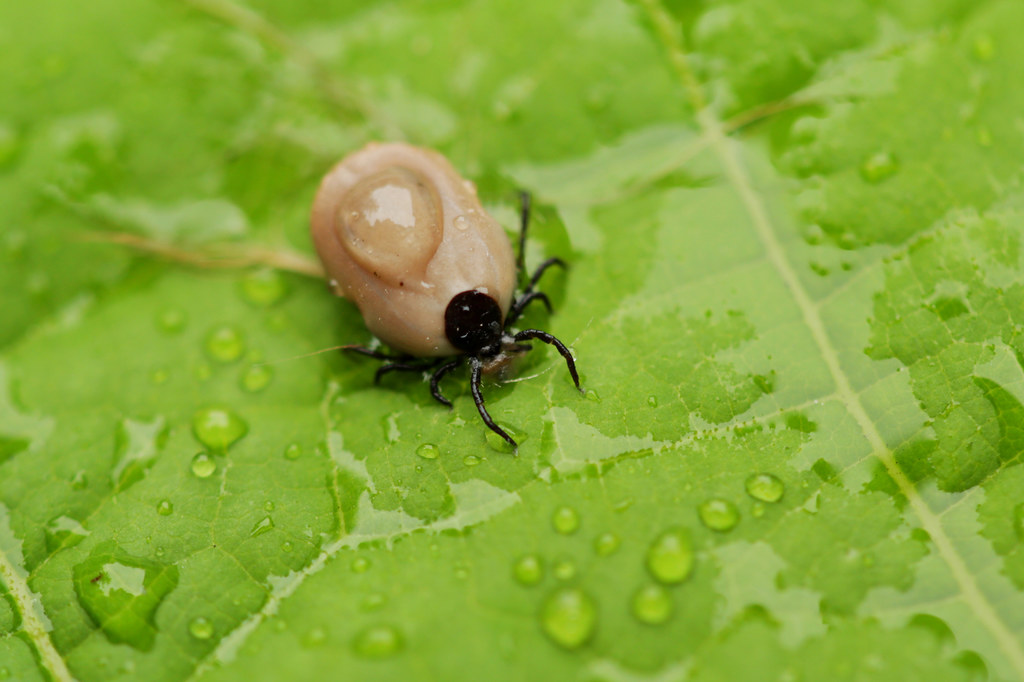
x: 293, y: 452
x: 377, y: 641
x: 757, y: 510
x: 564, y: 570
x: 172, y: 320
x: 256, y: 378
x: 670, y: 556
x: 765, y: 487
x: 286, y: 547
x: 569, y: 617
x: 471, y: 460
x: 225, y: 344
x: 314, y: 638
x: 360, y: 564
x: 264, y: 287
x: 652, y: 401
x: 428, y: 451
x: 200, y: 628
x: 718, y: 514
x: 528, y: 570
x: 606, y: 544
x: 164, y: 508
x: 264, y: 525
x: 218, y: 428
x: 652, y: 604
x: 5, y: 673
x: 461, y: 223
x: 593, y: 396
x: 268, y: 506
x: 565, y: 520
x: 878, y: 167
x: 203, y: 465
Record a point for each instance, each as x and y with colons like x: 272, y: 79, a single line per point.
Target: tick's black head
x: 472, y: 322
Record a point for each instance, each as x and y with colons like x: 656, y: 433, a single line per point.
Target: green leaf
x: 795, y: 296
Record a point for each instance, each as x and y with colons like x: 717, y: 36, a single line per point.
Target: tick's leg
x: 435, y: 380
x: 519, y: 305
x: 402, y: 367
x: 554, y: 260
x: 527, y: 334
x: 478, y: 398
x: 376, y: 354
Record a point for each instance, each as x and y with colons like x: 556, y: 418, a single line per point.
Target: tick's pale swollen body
x: 404, y: 237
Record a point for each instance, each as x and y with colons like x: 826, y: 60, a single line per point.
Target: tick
x: 404, y: 237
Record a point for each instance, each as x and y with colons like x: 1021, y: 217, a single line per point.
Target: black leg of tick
x: 435, y: 380
x: 555, y: 260
x: 550, y: 339
x: 478, y: 398
x: 402, y: 367
x: 519, y: 305
x: 376, y: 354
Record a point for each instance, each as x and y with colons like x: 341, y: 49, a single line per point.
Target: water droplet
x: 286, y: 547
x: 373, y: 601
x: 172, y: 320
x: 217, y: 428
x: 264, y: 287
x: 256, y: 378
x: 984, y: 136
x: 757, y: 510
x: 428, y: 451
x: 5, y: 673
x: 652, y: 401
x: 878, y: 167
x: 314, y: 638
x: 593, y: 396
x: 565, y: 520
x: 200, y: 628
x: 9, y: 143
x: 528, y: 570
x: 499, y: 444
x: 62, y: 532
x: 564, y: 570
x: 460, y: 222
x: 670, y: 556
x: 652, y: 604
x: 264, y: 525
x: 765, y: 487
x: 569, y: 617
x: 984, y: 47
x: 122, y: 593
x: 225, y: 344
x: 606, y: 544
x: 471, y: 460
x: 203, y: 465
x: 378, y: 641
x: 293, y: 451
x: 461, y: 572
x: 164, y: 508
x: 718, y: 514
x: 360, y: 564
x: 268, y: 506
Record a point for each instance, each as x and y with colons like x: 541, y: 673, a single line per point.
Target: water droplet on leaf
x: 360, y: 564
x: 164, y: 508
x: 606, y: 544
x: 528, y: 570
x: 203, y: 465
x: 218, y: 428
x: 569, y: 617
x: 428, y: 451
x: 652, y: 604
x: 264, y: 525
x: 200, y: 628
x: 172, y: 320
x: 256, y: 378
x: 264, y: 287
x: 670, y: 556
x: 225, y: 344
x: 378, y: 641
x: 565, y: 520
x: 765, y: 487
x: 878, y: 167
x: 718, y: 514
x: 293, y: 451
